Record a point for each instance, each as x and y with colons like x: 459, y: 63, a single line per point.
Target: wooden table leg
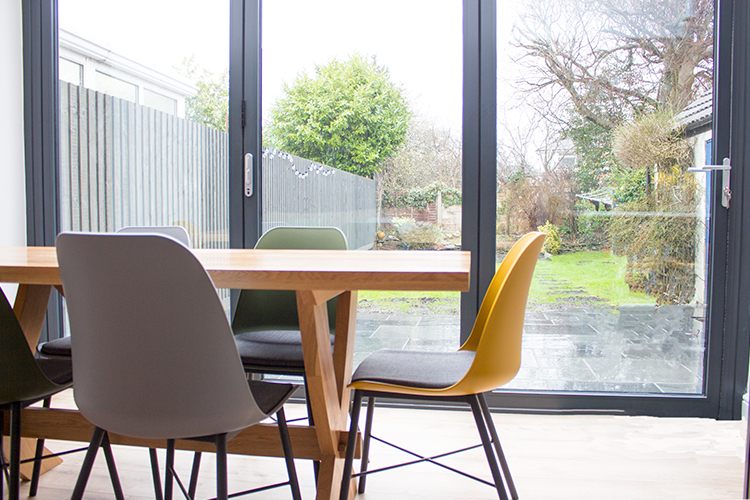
x: 327, y: 378
x: 30, y: 308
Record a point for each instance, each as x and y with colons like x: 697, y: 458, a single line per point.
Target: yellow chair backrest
x: 496, y: 336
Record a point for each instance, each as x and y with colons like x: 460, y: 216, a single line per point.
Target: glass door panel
x: 603, y: 108
x: 143, y: 117
x: 362, y: 113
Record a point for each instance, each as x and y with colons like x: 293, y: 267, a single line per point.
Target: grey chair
x: 61, y: 347
x: 24, y: 380
x: 153, y: 352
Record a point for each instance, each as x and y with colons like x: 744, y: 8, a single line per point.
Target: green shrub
x: 553, y: 242
x: 420, y: 197
x: 417, y: 235
x: 658, y: 236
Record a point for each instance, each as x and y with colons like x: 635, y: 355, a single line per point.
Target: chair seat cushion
x: 58, y: 369
x: 57, y: 347
x: 272, y: 351
x: 270, y: 396
x: 418, y: 369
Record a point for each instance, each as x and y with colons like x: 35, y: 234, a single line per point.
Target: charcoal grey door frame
x: 728, y: 322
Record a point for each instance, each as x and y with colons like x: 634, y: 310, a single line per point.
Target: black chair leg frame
x: 101, y: 439
x: 12, y: 471
x: 487, y: 433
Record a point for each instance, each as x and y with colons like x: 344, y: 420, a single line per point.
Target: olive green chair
x: 24, y: 380
x: 265, y: 322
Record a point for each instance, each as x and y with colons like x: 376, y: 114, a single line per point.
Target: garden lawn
x: 581, y: 279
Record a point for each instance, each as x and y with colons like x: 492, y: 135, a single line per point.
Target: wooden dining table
x: 316, y: 276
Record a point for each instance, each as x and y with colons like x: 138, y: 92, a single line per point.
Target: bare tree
x: 614, y: 59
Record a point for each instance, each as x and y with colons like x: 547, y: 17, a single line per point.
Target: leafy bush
x: 589, y: 229
x: 658, y: 236
x: 553, y: 242
x: 417, y: 235
x: 420, y: 197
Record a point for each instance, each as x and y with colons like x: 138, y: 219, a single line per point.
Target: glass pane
x: 362, y: 111
x: 604, y: 107
x: 144, y: 100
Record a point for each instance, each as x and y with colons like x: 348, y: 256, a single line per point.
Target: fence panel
x: 122, y: 164
x: 299, y: 192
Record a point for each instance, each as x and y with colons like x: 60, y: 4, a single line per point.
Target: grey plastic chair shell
x: 178, y: 233
x: 163, y: 312
x: 62, y: 347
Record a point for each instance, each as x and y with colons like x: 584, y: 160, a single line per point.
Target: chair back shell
x: 277, y: 309
x: 153, y: 353
x: 497, y: 333
x: 179, y: 233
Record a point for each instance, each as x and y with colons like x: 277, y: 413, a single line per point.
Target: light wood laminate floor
x: 560, y: 457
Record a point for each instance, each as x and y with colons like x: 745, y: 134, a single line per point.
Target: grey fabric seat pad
x: 57, y: 347
x: 272, y: 349
x: 419, y: 369
x: 58, y: 370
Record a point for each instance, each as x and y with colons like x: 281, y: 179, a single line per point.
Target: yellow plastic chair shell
x: 497, y: 331
x: 489, y: 359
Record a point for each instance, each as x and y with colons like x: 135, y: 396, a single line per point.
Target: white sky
x: 420, y: 41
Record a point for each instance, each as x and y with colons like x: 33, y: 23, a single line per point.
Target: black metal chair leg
x: 169, y: 474
x: 366, y: 445
x: 155, y: 474
x: 38, y: 458
x: 487, y: 445
x: 3, y: 468
x: 15, y: 451
x: 286, y: 445
x: 194, y: 474
x: 350, y: 445
x: 107, y: 447
x: 498, y: 447
x: 88, y: 463
x: 222, y: 488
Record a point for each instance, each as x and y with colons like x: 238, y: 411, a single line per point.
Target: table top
x: 285, y: 269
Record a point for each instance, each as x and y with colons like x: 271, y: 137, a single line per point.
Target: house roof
x: 696, y: 114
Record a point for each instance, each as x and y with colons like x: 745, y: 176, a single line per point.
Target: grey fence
x: 299, y: 192
x: 123, y: 164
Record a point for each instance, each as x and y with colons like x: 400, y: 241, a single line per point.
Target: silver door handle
x: 248, y: 174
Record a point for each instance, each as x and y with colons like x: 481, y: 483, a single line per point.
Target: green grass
x: 409, y: 302
x: 581, y: 279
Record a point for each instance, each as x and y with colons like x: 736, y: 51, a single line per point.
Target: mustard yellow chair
x: 489, y: 358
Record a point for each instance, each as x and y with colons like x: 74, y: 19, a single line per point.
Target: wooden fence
x: 299, y: 192
x: 122, y: 164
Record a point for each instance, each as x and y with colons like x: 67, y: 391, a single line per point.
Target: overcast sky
x: 418, y: 40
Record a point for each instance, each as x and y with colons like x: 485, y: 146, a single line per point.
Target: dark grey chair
x: 24, y: 380
x: 153, y: 352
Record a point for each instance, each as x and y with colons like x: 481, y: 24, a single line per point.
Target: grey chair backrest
x: 177, y: 232
x: 153, y: 353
